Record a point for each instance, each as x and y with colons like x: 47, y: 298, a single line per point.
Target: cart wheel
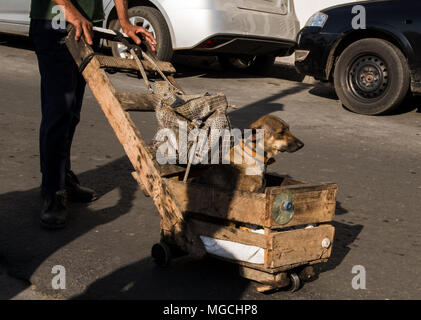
x: 306, y: 274
x: 161, y: 253
x: 295, y: 282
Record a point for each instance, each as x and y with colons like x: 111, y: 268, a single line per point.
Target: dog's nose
x: 300, y: 144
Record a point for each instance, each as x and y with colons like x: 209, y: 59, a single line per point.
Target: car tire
x: 372, y: 77
x: 260, y: 65
x: 154, y: 21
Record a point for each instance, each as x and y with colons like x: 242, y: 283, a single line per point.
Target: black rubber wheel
x: 372, y: 77
x: 260, y: 65
x: 295, y: 282
x: 161, y: 253
x: 306, y: 273
x: 153, y: 21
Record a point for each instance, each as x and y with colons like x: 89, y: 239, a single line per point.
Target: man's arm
x: 129, y: 29
x: 72, y: 15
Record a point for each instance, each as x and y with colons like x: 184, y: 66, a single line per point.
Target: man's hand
x: 132, y: 31
x: 82, y: 25
x: 74, y: 17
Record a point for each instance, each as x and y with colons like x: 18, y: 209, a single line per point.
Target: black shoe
x: 54, y: 212
x: 76, y: 192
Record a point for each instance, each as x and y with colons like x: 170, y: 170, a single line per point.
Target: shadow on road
x: 14, y: 41
x: 183, y: 279
x: 345, y: 236
x: 24, y: 246
x: 209, y: 67
x: 327, y: 91
x: 324, y: 90
x: 240, y: 118
x: 340, y: 210
x: 411, y: 104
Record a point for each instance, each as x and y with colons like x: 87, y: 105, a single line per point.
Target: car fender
x: 381, y: 30
x: 159, y: 5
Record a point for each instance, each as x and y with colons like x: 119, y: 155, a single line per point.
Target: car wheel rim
x: 137, y: 21
x: 368, y: 78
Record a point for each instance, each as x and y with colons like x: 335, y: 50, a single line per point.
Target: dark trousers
x: 62, y: 90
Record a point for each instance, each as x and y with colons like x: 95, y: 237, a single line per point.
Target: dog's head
x: 278, y: 137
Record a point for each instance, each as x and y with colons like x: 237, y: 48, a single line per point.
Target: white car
x: 242, y: 33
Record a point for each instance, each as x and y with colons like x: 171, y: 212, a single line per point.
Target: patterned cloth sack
x: 182, y: 114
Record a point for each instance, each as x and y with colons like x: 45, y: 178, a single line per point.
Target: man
x: 62, y: 90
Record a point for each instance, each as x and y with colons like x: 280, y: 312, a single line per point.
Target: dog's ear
x: 262, y: 126
x: 253, y: 135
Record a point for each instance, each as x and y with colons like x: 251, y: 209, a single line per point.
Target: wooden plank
x: 237, y: 206
x: 136, y: 176
x: 221, y: 232
x: 136, y: 101
x: 130, y: 64
x: 292, y: 182
x: 279, y: 180
x: 295, y: 265
x: 299, y: 246
x: 277, y: 279
x: 269, y: 250
x: 272, y: 270
x: 312, y: 204
x: 172, y: 220
x: 166, y: 170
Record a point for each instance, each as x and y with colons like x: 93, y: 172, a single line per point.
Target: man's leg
x: 77, y: 106
x: 59, y: 84
x: 76, y: 109
x: 74, y: 190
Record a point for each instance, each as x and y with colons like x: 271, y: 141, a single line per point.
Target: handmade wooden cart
x: 293, y: 214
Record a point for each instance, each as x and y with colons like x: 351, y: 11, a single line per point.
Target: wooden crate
x: 311, y: 203
x: 284, y: 246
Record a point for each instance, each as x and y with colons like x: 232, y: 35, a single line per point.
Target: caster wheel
x: 306, y: 274
x: 295, y: 284
x: 161, y: 253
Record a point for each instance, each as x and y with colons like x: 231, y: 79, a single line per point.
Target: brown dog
x: 249, y: 174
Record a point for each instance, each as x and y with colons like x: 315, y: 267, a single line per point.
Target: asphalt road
x: 106, y: 248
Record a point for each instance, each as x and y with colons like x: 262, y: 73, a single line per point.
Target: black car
x: 373, y: 68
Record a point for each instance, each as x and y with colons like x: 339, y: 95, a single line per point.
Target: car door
x: 14, y: 16
x: 269, y: 18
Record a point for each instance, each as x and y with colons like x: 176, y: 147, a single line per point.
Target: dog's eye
x: 281, y: 132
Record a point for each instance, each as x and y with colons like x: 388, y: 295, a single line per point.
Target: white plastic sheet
x: 233, y: 250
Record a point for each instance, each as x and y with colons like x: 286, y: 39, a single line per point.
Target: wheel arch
x: 149, y: 3
x: 393, y: 37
